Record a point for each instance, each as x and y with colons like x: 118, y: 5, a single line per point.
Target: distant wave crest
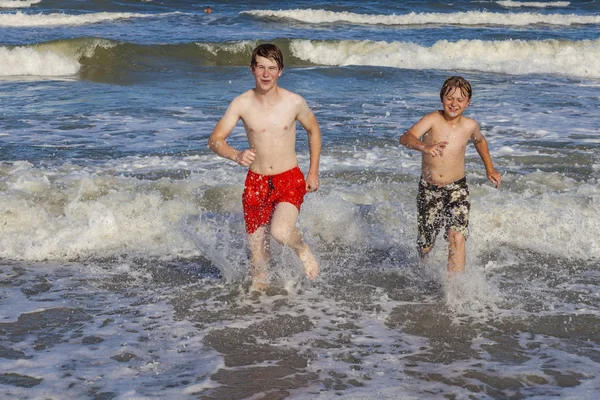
x: 312, y: 16
x: 20, y: 19
x: 18, y: 3
x: 537, y: 4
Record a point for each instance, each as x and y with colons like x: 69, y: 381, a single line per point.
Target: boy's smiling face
x: 455, y: 102
x: 266, y: 72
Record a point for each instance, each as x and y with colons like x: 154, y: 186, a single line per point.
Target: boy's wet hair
x: 456, y: 82
x: 270, y: 51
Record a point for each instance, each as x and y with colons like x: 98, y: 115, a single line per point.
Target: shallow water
x: 175, y: 330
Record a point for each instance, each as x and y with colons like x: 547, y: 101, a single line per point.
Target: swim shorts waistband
x: 449, y: 186
x: 255, y: 175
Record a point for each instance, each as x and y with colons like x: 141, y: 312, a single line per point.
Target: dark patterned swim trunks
x: 440, y: 206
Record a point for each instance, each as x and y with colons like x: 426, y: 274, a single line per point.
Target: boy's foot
x: 311, y: 266
x: 424, y: 256
x: 259, y: 286
x: 260, y: 281
x: 452, y: 272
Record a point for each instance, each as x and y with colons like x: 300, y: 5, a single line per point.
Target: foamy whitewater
x: 123, y: 261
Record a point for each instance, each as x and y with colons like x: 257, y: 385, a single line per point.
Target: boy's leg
x: 259, y: 258
x: 456, y: 251
x: 429, y: 206
x: 284, y: 231
x: 457, y: 217
x: 424, y: 251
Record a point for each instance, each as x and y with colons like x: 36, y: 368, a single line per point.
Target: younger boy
x: 275, y: 186
x: 443, y: 198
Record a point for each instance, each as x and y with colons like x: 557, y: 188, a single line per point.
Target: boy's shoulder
x: 247, y: 95
x: 291, y: 100
x: 469, y: 123
x: 435, y: 116
x: 288, y: 94
x: 243, y: 100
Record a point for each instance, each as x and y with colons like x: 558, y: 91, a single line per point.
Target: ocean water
x: 123, y: 262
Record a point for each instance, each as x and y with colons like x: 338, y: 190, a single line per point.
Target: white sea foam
x: 18, y: 3
x: 505, y: 150
x: 20, y: 19
x: 537, y: 4
x: 79, y: 213
x: 93, y: 214
x: 313, y: 16
x: 517, y: 57
x: 554, y: 217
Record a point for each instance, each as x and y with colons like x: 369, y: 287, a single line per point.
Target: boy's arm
x: 217, y: 140
x: 309, y: 122
x: 482, y: 148
x: 412, y: 137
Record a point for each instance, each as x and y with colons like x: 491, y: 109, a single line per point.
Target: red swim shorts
x: 263, y: 192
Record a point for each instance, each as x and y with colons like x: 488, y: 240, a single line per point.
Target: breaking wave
x: 470, y: 18
x: 106, y: 60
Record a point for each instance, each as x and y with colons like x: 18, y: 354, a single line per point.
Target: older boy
x: 275, y: 187
x: 443, y: 199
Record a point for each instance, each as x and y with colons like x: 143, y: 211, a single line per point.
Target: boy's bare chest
x: 260, y: 120
x: 453, y: 135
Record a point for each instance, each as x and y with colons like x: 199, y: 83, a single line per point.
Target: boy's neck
x: 267, y: 94
x: 450, y: 119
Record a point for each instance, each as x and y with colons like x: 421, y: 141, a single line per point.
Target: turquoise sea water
x: 122, y: 254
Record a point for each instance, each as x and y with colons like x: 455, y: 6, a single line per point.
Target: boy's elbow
x: 404, y: 140
x: 480, y: 145
x: 314, y: 135
x: 314, y: 130
x: 213, y: 144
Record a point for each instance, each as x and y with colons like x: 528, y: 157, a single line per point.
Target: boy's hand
x: 436, y: 149
x: 494, y: 177
x: 312, y: 183
x: 245, y: 157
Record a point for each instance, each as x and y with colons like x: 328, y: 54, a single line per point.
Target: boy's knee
x: 281, y: 234
x: 455, y: 237
x: 258, y: 256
